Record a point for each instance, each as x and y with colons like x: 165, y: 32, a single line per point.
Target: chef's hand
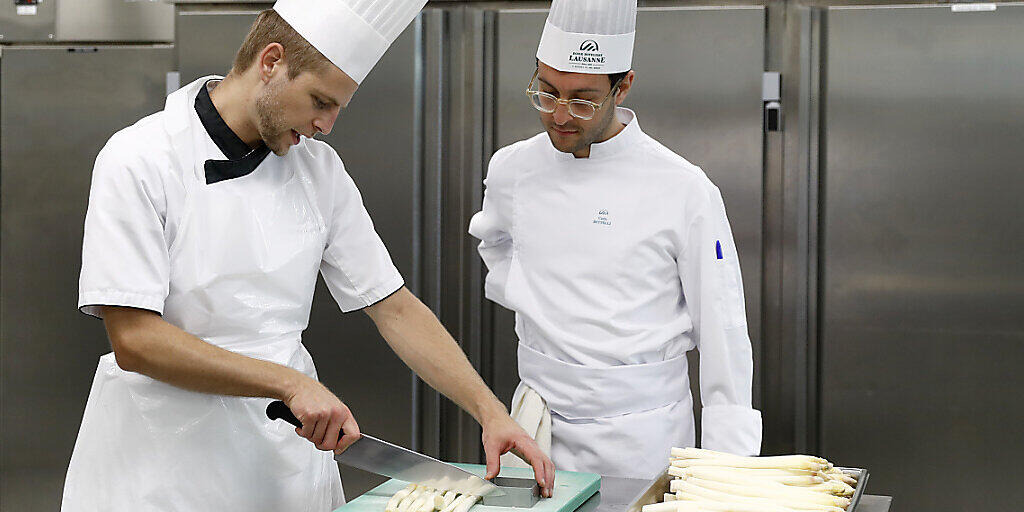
x: 324, y: 417
x: 502, y: 435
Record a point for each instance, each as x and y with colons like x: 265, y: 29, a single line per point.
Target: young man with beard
x: 616, y: 255
x: 201, y: 254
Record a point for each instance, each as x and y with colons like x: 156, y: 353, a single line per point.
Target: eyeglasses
x: 547, y: 103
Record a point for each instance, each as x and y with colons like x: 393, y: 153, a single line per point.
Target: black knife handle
x: 277, y: 410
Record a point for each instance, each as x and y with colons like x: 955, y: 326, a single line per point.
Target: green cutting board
x: 571, y: 490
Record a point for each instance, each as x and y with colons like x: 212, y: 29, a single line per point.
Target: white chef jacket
x: 233, y: 262
x: 621, y: 261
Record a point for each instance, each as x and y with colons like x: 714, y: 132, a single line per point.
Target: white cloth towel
x: 531, y: 412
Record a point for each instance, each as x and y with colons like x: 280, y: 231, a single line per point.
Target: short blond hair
x: 268, y: 28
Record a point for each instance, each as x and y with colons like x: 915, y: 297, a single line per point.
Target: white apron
x: 619, y: 421
x: 243, y: 269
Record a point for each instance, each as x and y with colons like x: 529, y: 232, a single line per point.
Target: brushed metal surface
x: 40, y: 27
x: 49, y: 141
x: 206, y: 42
x: 703, y: 103
x: 922, y: 264
x: 88, y: 20
x: 374, y: 137
x: 114, y: 20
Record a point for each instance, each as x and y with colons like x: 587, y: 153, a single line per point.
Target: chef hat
x: 353, y: 34
x: 589, y: 36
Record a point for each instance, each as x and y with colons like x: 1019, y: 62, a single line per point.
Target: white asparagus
x: 773, y: 472
x: 833, y: 487
x: 742, y: 477
x: 750, y: 462
x: 665, y: 506
x: 772, y: 491
x: 698, y: 453
x: 839, y: 476
x: 392, y: 505
x: 466, y: 504
x: 711, y: 494
x: 800, y: 483
x: 455, y: 503
x: 754, y: 504
x: 424, y: 503
x: 735, y: 503
x: 447, y: 499
x: 411, y: 498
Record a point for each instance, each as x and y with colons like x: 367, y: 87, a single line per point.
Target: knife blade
x: 383, y: 458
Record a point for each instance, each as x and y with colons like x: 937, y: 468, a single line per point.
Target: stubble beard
x: 590, y: 135
x: 270, y: 123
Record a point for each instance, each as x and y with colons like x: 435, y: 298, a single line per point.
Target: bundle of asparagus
x: 712, y: 481
x: 418, y: 498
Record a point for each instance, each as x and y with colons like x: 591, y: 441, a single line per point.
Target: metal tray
x: 655, y: 491
x: 861, y: 475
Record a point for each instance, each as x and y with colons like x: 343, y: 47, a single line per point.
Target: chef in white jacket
x: 616, y: 255
x: 208, y: 223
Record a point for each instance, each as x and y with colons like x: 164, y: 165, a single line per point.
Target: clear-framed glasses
x: 547, y: 103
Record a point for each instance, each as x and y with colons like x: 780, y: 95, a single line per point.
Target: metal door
x: 697, y: 90
x: 51, y: 135
x: 375, y: 138
x: 922, y: 281
x: 50, y: 21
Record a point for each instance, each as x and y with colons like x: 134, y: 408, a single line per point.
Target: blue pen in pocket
x: 718, y: 248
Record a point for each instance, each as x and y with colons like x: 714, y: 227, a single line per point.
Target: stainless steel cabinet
x: 49, y: 21
x: 51, y: 133
x: 922, y: 261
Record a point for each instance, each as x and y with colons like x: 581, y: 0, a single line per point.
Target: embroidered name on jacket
x: 602, y: 218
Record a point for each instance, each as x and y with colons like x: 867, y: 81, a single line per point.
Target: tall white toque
x: 353, y: 34
x: 589, y: 36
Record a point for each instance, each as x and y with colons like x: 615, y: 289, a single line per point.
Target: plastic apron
x: 619, y: 421
x: 243, y: 269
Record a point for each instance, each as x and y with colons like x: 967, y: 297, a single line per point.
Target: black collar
x: 242, y: 159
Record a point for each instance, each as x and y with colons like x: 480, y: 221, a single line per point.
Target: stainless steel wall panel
x: 48, y: 143
x: 114, y: 20
x: 705, y: 104
x: 922, y: 279
x: 28, y: 28
x: 698, y: 91
x: 790, y: 232
x: 375, y: 137
x: 432, y: 134
x: 206, y: 41
x: 88, y: 20
x: 463, y: 164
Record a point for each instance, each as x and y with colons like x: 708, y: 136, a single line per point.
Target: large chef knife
x: 383, y: 458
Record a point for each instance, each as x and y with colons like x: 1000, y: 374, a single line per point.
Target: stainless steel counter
x: 617, y: 494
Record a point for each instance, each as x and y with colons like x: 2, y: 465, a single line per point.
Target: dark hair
x: 615, y: 77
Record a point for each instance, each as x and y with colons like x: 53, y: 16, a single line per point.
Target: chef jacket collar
x: 622, y: 141
x: 242, y: 160
x: 222, y: 135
